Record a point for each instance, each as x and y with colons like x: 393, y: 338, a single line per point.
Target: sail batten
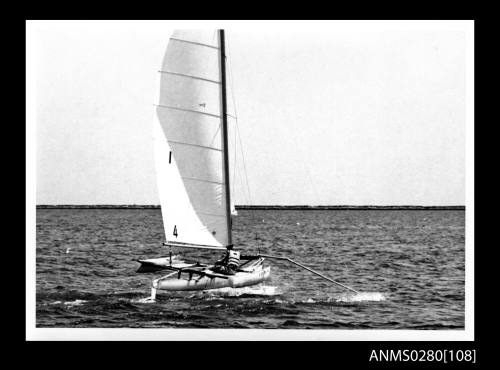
x: 194, y: 43
x: 196, y: 145
x: 201, y: 180
x: 187, y: 110
x: 189, y: 141
x: 190, y: 76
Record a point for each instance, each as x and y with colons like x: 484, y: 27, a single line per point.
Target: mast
x: 225, y: 134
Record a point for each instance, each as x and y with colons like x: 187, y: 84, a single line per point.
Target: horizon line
x: 256, y: 206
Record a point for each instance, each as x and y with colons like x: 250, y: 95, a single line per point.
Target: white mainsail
x: 189, y: 142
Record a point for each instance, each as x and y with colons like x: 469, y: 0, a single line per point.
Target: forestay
x: 188, y: 141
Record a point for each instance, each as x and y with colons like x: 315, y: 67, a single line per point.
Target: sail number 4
x: 175, y: 231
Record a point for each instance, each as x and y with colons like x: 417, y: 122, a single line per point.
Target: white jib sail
x: 188, y: 141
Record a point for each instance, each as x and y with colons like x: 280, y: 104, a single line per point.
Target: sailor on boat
x: 229, y: 262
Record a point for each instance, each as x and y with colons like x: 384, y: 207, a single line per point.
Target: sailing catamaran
x: 191, y: 147
x: 192, y: 165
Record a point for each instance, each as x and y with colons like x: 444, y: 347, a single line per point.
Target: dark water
x: 409, y: 266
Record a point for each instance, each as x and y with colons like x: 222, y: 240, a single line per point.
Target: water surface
x: 409, y: 266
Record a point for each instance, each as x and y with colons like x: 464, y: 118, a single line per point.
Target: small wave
x: 76, y: 302
x: 362, y: 297
x: 291, y: 323
x: 277, y: 301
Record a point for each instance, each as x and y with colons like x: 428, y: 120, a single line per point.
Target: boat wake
x: 144, y: 300
x: 362, y: 297
x: 270, y: 291
x: 264, y: 290
x: 245, y: 292
x: 340, y: 298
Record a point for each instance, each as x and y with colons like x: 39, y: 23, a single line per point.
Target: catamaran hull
x: 239, y: 280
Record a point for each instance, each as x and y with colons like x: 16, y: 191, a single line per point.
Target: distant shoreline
x: 259, y: 207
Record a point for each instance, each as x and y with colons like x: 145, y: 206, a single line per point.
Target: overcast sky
x: 329, y: 113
